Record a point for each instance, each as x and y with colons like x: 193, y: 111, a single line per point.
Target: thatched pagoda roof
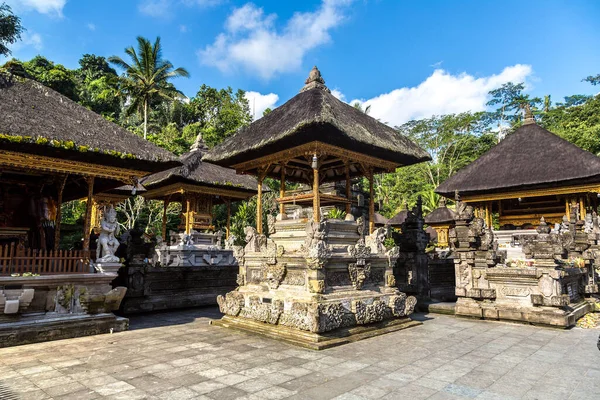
x: 38, y: 120
x: 315, y: 115
x: 530, y: 158
x: 196, y: 172
x: 379, y: 219
x: 398, y: 219
x: 441, y: 215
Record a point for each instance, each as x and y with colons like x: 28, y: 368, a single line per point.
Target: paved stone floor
x: 179, y: 356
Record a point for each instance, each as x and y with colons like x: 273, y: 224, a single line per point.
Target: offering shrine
x: 314, y: 281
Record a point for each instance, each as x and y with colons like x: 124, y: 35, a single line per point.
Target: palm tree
x: 146, y: 78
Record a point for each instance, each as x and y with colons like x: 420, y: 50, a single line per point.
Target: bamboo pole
x: 61, y: 188
x: 88, y: 215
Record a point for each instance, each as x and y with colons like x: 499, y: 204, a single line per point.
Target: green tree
x: 10, y: 29
x: 147, y: 77
x: 99, y: 86
x: 220, y: 113
x: 55, y: 76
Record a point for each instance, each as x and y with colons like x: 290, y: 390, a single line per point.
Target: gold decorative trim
x: 180, y: 188
x: 593, y: 188
x: 55, y: 165
x: 319, y: 148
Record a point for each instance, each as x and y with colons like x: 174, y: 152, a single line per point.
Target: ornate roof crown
x: 314, y: 80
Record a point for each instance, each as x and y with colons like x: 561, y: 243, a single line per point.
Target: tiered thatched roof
x: 315, y: 115
x: 196, y: 172
x: 530, y: 158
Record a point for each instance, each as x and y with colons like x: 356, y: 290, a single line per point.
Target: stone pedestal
x: 108, y: 267
x: 312, y: 283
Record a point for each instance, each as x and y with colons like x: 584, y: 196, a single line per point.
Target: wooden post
x: 488, y: 216
x: 259, y: 224
x: 228, y: 227
x: 188, y: 215
x: 164, y: 219
x: 348, y: 190
x: 582, y: 208
x: 88, y: 215
x: 282, y: 190
x: 371, y: 203
x: 316, y: 199
x: 61, y: 188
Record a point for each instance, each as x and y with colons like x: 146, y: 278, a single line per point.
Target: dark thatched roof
x: 398, y: 219
x: 36, y: 119
x: 315, y: 114
x: 441, y: 215
x: 530, y: 158
x: 197, y: 172
x: 380, y: 219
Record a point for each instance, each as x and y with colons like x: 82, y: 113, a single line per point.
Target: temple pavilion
x: 532, y: 173
x: 315, y: 138
x: 316, y: 281
x: 198, y: 186
x: 53, y: 150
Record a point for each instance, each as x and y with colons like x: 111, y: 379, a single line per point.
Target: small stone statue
x: 107, y: 243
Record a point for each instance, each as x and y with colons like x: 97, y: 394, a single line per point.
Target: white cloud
x: 41, y: 6
x: 155, y: 8
x: 338, y: 94
x: 260, y: 102
x: 441, y: 93
x: 28, y: 38
x: 252, y: 41
x: 183, y: 28
x: 91, y: 27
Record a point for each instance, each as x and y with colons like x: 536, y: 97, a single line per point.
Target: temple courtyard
x: 178, y: 355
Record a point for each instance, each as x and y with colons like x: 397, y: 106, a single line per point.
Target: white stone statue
x: 107, y: 242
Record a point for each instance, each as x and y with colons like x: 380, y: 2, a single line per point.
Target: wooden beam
x: 61, y: 188
x: 228, y: 226
x: 88, y: 215
x: 282, y: 190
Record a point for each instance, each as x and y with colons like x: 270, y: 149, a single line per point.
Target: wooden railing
x: 17, y: 260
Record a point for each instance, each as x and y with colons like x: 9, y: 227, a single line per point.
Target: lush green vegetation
x: 143, y: 100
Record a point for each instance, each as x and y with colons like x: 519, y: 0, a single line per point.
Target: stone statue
x: 375, y: 240
x: 254, y: 241
x: 107, y: 243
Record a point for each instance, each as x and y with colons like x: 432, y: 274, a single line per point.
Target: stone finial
x: 314, y: 81
x: 442, y: 203
x: 528, y: 115
x: 199, y: 144
x: 543, y: 228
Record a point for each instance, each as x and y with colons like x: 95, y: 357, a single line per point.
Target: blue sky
x: 407, y: 59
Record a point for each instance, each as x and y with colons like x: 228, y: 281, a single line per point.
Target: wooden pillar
x: 61, y: 187
x: 282, y: 190
x: 259, y: 224
x: 371, y: 203
x: 488, y: 215
x: 188, y: 215
x: 348, y: 190
x: 581, y: 208
x: 88, y: 214
x: 164, y: 219
x: 228, y: 226
x: 316, y: 199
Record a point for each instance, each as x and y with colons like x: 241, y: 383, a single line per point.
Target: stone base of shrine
x: 560, y: 317
x: 31, y: 329
x: 311, y: 340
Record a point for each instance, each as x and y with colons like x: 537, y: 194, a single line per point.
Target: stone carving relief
x: 316, y: 248
x: 107, y: 243
x: 273, y: 274
x: 316, y: 286
x: 231, y: 304
x: 294, y: 278
x: 240, y: 280
x: 359, y: 274
x: 254, y: 241
x: 262, y: 311
x: 367, y: 314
